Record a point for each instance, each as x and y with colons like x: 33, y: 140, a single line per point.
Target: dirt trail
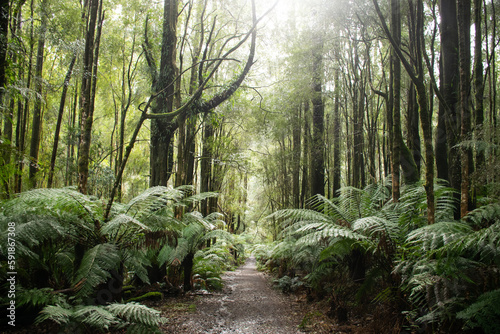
x: 246, y: 305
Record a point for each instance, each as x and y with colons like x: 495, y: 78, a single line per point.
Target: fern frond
x: 123, y: 224
x: 53, y: 202
x: 485, y: 243
x: 38, y: 297
x: 59, y: 314
x: 376, y: 227
x: 291, y: 216
x: 136, y: 262
x: 136, y: 313
x: 484, y: 313
x: 327, y: 207
x: 432, y: 237
x: 328, y: 233
x: 193, y: 199
x: 488, y: 214
x: 95, y: 316
x: 97, y: 263
x: 152, y: 200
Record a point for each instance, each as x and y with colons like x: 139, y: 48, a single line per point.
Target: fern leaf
x: 58, y: 314
x: 136, y: 313
x: 96, y: 317
x: 124, y: 223
x: 97, y: 263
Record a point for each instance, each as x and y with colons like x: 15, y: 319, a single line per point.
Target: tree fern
x: 53, y: 202
x: 483, y: 313
x: 136, y: 313
x: 38, y: 297
x: 135, y: 317
x: 96, y: 267
x: 95, y: 317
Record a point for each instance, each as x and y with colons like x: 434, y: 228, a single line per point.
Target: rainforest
x: 249, y: 166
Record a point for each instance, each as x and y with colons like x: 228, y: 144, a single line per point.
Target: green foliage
x: 483, y: 313
x: 209, y: 264
x: 153, y: 295
x: 136, y: 317
x: 287, y: 284
x: 64, y: 244
x: 439, y: 268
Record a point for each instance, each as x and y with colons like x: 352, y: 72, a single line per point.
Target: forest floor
x: 247, y: 304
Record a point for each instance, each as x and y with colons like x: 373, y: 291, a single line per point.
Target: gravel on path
x: 247, y: 304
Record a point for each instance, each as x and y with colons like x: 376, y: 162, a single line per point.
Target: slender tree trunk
x: 59, y: 121
x: 206, y: 163
x: 396, y: 106
x: 21, y: 128
x: 463, y: 16
x: 296, y: 157
x: 318, y: 142
x: 306, y: 152
x: 478, y: 85
x: 336, y: 136
x: 36, y: 126
x: 87, y: 95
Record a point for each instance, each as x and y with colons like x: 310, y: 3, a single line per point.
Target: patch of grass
x: 306, y: 321
x: 182, y: 307
x: 153, y: 295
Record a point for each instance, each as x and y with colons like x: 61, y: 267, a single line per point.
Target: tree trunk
x: 396, y: 104
x: 318, y: 142
x: 162, y: 130
x: 59, y: 121
x: 336, y: 137
x: 296, y: 157
x: 36, y: 126
x: 463, y: 16
x: 306, y: 157
x: 187, y: 265
x: 206, y: 164
x: 450, y: 90
x: 478, y: 84
x: 417, y: 77
x: 87, y: 95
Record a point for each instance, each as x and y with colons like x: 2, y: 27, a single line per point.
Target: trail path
x: 246, y: 305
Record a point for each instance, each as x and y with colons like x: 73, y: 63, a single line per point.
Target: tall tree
x: 36, y: 125
x: 449, y: 115
x: 163, y: 84
x: 59, y: 121
x: 94, y: 19
x: 463, y: 17
x: 396, y: 98
x: 318, y: 146
x: 418, y: 79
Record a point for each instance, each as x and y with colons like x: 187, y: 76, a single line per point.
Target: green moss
x: 154, y: 295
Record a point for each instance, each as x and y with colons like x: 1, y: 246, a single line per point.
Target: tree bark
x: 59, y: 121
x: 417, y: 77
x: 87, y: 95
x: 162, y: 130
x: 463, y: 17
x: 479, y: 86
x: 396, y: 104
x: 450, y: 90
x: 36, y: 125
x: 317, y: 152
x: 336, y: 136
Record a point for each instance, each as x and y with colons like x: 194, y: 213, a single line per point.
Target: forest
x: 350, y: 146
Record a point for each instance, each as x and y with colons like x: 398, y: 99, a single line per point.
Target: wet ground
x: 247, y: 304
